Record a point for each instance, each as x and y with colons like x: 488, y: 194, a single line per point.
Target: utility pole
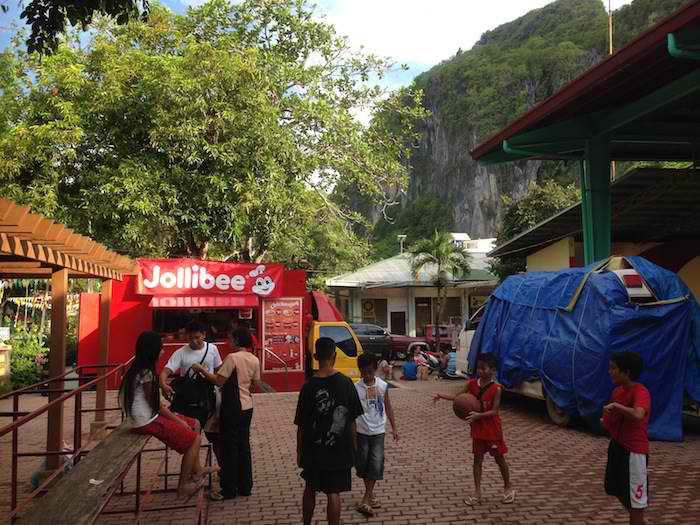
x: 613, y: 167
x: 610, y: 27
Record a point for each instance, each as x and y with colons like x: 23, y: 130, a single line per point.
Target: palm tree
x: 440, y: 256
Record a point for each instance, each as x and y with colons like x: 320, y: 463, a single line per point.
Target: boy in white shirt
x: 371, y: 428
x: 198, y: 351
x: 193, y: 352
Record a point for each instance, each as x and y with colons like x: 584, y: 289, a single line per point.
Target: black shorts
x: 328, y: 481
x: 626, y: 476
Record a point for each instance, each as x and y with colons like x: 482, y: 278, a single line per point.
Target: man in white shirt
x: 183, y: 358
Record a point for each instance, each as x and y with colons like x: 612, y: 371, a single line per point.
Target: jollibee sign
x: 195, y: 277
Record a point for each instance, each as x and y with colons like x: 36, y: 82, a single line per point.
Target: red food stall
x: 167, y: 293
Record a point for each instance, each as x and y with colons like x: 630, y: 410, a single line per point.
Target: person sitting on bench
x: 139, y: 396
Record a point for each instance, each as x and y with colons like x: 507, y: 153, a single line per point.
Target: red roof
x: 638, y: 69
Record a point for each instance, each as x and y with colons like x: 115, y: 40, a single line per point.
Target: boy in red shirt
x: 626, y: 419
x: 487, y: 433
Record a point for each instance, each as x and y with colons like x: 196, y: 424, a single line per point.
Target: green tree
x: 441, y: 257
x: 221, y: 132
x: 541, y: 202
x: 48, y: 19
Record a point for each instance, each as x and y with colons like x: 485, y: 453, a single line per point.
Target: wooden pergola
x: 35, y: 247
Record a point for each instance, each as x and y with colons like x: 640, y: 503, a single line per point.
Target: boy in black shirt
x: 326, y: 438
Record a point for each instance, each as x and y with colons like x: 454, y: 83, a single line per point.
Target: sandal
x: 205, y: 473
x: 216, y: 495
x: 509, y: 497
x: 365, y: 510
x: 472, y: 501
x: 192, y: 489
x: 375, y: 503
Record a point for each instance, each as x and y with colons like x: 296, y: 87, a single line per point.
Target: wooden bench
x: 73, y: 500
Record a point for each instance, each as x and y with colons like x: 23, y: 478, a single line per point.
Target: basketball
x: 464, y: 404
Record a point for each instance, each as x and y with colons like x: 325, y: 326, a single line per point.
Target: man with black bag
x: 192, y: 395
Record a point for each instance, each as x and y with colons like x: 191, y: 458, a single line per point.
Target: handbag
x: 194, y: 395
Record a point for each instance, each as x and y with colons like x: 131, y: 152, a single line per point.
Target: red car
x: 401, y: 344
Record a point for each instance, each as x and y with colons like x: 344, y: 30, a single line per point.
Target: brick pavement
x: 557, y: 471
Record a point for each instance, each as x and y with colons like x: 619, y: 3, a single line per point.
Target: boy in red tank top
x: 486, y: 429
x: 626, y: 419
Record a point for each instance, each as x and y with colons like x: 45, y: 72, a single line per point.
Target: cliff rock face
x: 477, y: 92
x: 442, y: 166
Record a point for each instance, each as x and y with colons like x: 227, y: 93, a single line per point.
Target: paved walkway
x: 558, y: 472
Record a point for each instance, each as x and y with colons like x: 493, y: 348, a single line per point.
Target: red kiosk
x: 168, y: 293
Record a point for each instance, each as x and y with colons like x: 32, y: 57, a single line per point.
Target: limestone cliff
x: 477, y: 92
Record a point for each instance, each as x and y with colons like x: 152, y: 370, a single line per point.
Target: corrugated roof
x: 396, y: 272
x: 648, y: 205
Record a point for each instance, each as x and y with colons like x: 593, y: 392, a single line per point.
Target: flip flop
x: 509, y: 497
x: 472, y: 501
x: 215, y: 495
x: 205, y: 472
x: 365, y: 510
x: 194, y: 489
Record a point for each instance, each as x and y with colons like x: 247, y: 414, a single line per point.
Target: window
x: 374, y: 311
x: 375, y: 330
x: 342, y: 337
x: 359, y: 329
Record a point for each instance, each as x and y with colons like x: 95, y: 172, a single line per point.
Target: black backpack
x: 194, y: 395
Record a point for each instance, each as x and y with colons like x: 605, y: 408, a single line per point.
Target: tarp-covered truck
x: 554, y: 332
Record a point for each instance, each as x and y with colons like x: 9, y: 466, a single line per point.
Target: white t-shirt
x: 185, y: 357
x: 373, y: 421
x: 141, y: 413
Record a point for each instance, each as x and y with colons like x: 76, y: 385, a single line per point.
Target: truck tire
x: 558, y: 416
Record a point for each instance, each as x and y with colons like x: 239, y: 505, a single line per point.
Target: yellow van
x: 347, y: 346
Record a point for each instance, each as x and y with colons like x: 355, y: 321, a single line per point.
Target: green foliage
x: 541, y: 202
x: 442, y: 256
x: 49, y: 18
x: 439, y: 251
x: 521, y: 63
x: 28, y: 359
x: 641, y: 14
x: 219, y: 133
x: 516, y: 65
x: 417, y: 220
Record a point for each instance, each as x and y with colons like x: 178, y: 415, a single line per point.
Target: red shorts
x: 495, y: 448
x: 173, y: 434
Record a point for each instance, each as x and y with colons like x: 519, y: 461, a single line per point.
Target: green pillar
x: 595, y: 200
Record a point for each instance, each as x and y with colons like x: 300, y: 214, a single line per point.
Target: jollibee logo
x: 194, y: 277
x: 198, y: 276
x: 263, y: 286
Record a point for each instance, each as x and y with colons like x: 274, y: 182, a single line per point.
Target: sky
x: 418, y: 33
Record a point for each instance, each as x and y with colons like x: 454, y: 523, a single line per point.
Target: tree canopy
x: 541, y: 202
x: 218, y: 133
x: 48, y: 19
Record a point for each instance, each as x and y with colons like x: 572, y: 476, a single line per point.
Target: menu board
x: 282, y: 333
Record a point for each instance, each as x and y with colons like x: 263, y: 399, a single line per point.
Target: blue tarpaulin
x: 528, y: 325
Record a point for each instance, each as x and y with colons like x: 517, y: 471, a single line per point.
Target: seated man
x: 384, y: 367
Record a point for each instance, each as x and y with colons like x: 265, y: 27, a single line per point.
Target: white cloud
x: 423, y: 33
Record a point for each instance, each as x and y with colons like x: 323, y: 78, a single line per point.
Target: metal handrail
x: 284, y: 363
x: 27, y: 389
x: 79, y: 449
x: 26, y: 419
